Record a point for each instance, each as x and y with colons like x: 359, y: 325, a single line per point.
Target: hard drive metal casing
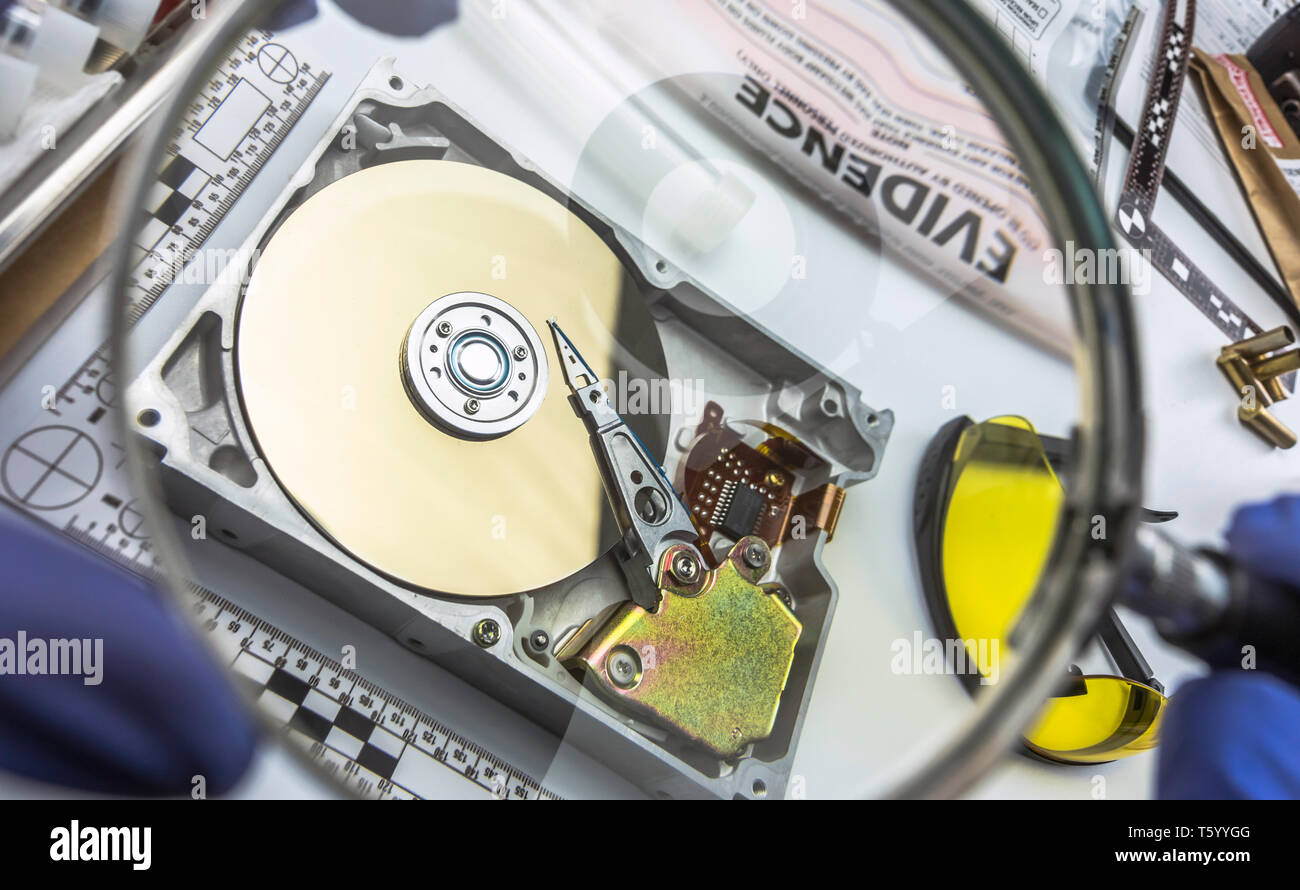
x: 210, y: 466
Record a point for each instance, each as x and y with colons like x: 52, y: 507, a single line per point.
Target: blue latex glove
x: 290, y: 14
x: 1236, y: 734
x: 400, y: 18
x: 1266, y: 537
x: 163, y: 712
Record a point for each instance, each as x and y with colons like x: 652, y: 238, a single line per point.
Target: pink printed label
x: 1241, y: 81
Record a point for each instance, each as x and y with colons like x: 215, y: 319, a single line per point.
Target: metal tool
x: 1212, y: 608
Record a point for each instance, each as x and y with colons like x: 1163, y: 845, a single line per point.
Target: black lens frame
x: 931, y: 495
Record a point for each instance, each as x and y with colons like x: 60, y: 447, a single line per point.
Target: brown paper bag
x: 1264, y: 150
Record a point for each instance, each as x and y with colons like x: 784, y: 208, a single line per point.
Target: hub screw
x: 487, y: 633
x: 472, y: 406
x: 520, y: 353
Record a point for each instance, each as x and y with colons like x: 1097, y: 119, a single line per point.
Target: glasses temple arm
x: 1115, y: 637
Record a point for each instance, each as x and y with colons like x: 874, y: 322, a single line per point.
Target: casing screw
x: 755, y: 555
x: 624, y: 668
x: 487, y: 633
x: 539, y: 641
x: 685, y: 567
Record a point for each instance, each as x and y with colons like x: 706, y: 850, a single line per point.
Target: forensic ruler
x: 1146, y: 170
x: 69, y: 471
x: 231, y: 130
x: 66, y: 466
x: 371, y: 741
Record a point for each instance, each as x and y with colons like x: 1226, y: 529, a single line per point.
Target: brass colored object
x: 1276, y: 366
x: 1255, y: 367
x: 1269, y: 428
x: 1269, y: 341
x: 710, y: 663
x: 820, y: 508
x: 1276, y: 389
x: 736, y: 485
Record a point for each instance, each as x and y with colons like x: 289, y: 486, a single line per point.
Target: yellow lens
x: 1001, y: 520
x: 998, y: 532
x: 1113, y: 718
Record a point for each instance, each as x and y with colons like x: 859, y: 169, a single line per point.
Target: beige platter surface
x: 322, y: 329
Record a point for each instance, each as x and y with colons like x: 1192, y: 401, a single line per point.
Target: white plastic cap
x: 712, y: 215
x: 123, y: 23
x: 17, y: 83
x: 62, y: 46
x: 699, y: 206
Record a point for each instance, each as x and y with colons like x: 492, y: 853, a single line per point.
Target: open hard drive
x: 460, y: 403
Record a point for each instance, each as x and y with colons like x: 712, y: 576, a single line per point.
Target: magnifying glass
x: 1082, y: 574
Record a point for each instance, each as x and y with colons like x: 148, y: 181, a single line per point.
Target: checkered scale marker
x: 375, y: 743
x: 1146, y: 171
x: 235, y: 124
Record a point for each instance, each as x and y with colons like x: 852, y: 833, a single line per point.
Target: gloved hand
x: 1266, y: 537
x: 400, y: 18
x: 149, y: 710
x: 1234, y: 734
x: 160, y: 711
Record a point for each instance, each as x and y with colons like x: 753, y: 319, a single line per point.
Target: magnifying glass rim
x: 1082, y: 572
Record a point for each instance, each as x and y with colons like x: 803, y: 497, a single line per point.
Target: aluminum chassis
x: 210, y: 466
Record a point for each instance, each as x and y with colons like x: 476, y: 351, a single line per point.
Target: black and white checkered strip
x: 1146, y: 171
x: 178, y: 184
x: 197, y: 187
x: 1187, y: 277
x: 379, y: 745
x: 1146, y: 167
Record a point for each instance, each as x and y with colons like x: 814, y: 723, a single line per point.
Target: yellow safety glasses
x: 987, y: 501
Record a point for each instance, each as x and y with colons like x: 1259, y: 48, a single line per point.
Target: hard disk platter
x: 415, y: 404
